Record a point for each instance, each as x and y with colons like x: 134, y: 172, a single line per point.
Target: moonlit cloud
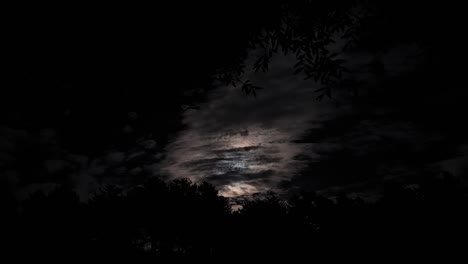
x: 242, y: 144
x: 236, y: 163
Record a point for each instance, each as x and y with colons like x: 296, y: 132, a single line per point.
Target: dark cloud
x: 244, y: 145
x: 388, y: 131
x: 55, y: 165
x: 34, y: 159
x: 365, y: 155
x: 235, y: 150
x: 234, y: 136
x: 231, y: 177
x: 286, y: 100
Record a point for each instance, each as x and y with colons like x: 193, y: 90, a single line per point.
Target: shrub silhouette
x: 180, y: 218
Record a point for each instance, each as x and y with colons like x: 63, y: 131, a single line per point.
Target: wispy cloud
x: 244, y: 144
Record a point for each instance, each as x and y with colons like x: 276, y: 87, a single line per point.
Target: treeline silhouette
x: 179, y: 218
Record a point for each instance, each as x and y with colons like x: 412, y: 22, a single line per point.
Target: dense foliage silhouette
x: 181, y: 218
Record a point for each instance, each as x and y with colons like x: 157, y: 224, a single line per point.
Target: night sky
x: 93, y: 119
x: 237, y: 128
x: 244, y: 145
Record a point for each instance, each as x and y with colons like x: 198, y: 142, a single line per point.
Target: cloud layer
x: 286, y: 138
x: 244, y: 144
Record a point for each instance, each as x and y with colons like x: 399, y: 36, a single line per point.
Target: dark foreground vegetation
x: 180, y: 218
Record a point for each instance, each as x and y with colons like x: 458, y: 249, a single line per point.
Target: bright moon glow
x: 237, y: 163
x: 238, y: 188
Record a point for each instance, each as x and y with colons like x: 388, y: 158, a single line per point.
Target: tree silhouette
x: 180, y: 218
